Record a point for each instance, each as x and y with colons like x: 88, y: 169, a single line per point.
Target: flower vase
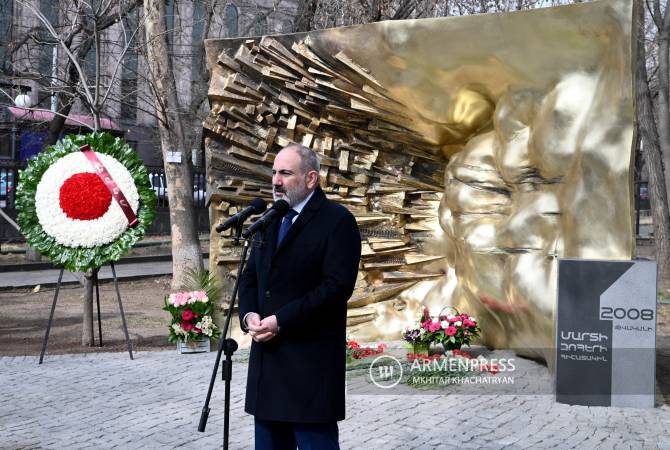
x: 193, y: 346
x: 436, y: 349
x: 449, y: 346
x: 420, y: 348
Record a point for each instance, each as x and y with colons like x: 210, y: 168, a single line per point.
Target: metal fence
x: 9, y: 178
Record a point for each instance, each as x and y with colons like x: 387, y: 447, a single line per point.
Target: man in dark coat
x: 293, y: 302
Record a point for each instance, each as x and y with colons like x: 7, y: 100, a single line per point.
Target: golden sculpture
x: 474, y: 152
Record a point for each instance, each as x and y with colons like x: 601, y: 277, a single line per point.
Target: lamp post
x: 23, y: 101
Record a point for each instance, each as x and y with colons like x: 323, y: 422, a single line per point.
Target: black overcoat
x: 299, y: 375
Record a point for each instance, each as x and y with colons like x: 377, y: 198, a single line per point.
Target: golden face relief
x: 473, y: 151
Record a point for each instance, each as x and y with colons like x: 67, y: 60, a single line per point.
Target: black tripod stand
x: 227, y: 346
x: 97, y: 298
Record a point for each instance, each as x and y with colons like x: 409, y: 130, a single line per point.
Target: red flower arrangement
x: 355, y: 351
x: 84, y: 196
x: 451, y: 330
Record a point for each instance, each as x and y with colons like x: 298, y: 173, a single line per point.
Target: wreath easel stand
x: 97, y: 300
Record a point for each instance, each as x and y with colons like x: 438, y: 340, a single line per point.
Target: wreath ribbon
x: 111, y: 185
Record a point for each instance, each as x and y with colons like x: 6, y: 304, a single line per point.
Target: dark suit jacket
x: 299, y: 375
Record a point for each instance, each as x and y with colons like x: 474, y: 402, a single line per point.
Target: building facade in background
x: 33, y: 65
x: 33, y: 69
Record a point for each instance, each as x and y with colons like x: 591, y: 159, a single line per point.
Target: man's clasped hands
x: 262, y: 330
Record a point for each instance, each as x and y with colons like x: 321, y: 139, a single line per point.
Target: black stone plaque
x: 606, y: 333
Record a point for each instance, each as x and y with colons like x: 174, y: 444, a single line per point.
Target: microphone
x: 279, y: 209
x: 257, y: 206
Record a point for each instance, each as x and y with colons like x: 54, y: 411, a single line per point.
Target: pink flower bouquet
x: 191, y: 316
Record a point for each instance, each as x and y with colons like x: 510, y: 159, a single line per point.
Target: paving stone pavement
x: 105, y: 401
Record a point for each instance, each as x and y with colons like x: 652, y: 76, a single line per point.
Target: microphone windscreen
x: 281, y: 206
x: 259, y: 205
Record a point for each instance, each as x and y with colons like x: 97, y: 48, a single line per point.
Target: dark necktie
x: 285, y: 225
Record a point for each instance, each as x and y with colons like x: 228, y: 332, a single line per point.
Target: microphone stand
x: 227, y: 346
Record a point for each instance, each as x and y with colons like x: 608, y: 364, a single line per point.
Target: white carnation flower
x: 75, y: 232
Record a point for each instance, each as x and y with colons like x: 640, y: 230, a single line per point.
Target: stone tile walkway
x: 105, y: 401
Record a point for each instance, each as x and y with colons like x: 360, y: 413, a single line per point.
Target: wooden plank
x: 290, y: 126
x: 296, y: 88
x: 280, y: 54
x: 229, y: 63
x: 344, y: 161
x: 243, y: 57
x: 355, y: 201
x: 314, y: 125
x: 323, y: 176
x: 416, y: 258
x: 253, y: 131
x: 393, y: 251
x: 270, y: 138
x: 302, y: 49
x: 224, y: 160
x: 379, y: 294
x: 327, y: 145
x: 276, y: 75
x: 245, y: 154
x: 406, y: 211
x: 319, y: 72
x: 396, y: 276
x: 332, y: 86
x: 370, y: 219
x: 386, y: 244
x: 341, y: 180
x: 362, y: 71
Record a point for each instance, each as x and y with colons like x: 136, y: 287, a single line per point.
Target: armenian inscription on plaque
x: 606, y: 333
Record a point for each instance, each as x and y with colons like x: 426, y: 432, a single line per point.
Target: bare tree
x: 653, y: 125
x: 186, y: 252
x: 74, y: 83
x: 660, y: 16
x: 78, y: 33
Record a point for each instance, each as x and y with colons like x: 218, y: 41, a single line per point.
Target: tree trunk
x: 664, y: 104
x: 186, y: 251
x: 652, y: 152
x: 87, y: 328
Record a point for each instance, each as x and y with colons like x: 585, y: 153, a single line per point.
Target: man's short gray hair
x: 309, y: 160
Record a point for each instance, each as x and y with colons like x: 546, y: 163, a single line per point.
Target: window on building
x: 169, y: 18
x: 230, y: 18
x: 6, y: 139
